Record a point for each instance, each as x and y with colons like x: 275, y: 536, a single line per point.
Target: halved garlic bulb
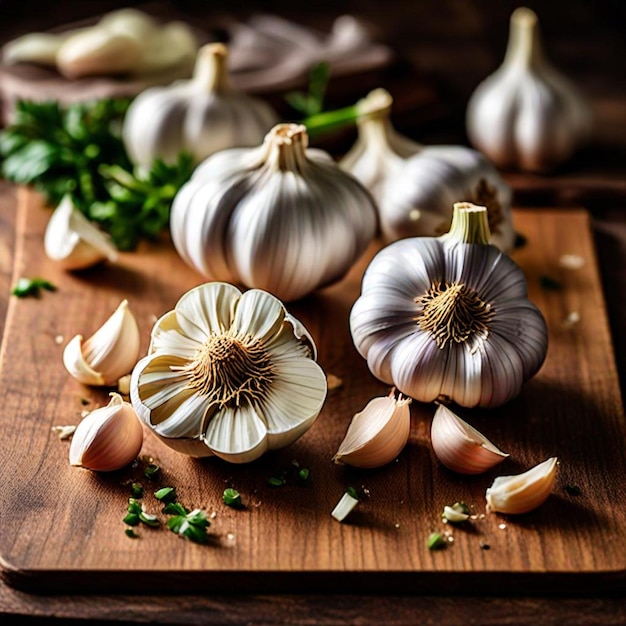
x: 108, y: 438
x: 110, y: 353
x: 377, y: 434
x: 524, y: 492
x: 459, y: 446
x: 73, y: 241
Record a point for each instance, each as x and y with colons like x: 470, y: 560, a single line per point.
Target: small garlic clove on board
x: 377, y: 434
x: 108, y: 438
x: 524, y: 492
x: 73, y: 241
x: 459, y: 446
x: 110, y: 353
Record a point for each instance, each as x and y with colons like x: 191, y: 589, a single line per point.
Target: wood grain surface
x: 62, y: 527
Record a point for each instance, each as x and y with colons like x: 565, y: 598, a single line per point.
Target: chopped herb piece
x: 275, y: 481
x: 436, y: 541
x: 166, y: 494
x: 304, y: 474
x: 550, y: 284
x: 131, y: 519
x: 131, y: 533
x: 231, y: 497
x: 149, y: 519
x: 311, y: 102
x: 175, y: 508
x: 152, y: 471
x: 345, y: 506
x: 26, y: 287
x: 134, y: 506
x: 352, y: 492
x: 192, y: 525
x: 458, y: 512
x: 136, y: 490
x: 572, y: 490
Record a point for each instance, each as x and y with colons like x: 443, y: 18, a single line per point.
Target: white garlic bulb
x: 379, y: 149
x: 377, y: 434
x: 527, y: 115
x: 73, y: 241
x: 278, y: 217
x: 108, y: 438
x: 228, y: 374
x: 417, y: 197
x: 449, y: 318
x: 459, y: 446
x: 200, y: 116
x: 110, y: 353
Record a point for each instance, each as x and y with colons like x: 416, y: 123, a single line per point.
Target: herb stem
x: 331, y: 120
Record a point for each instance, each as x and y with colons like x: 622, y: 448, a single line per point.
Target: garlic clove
x: 108, y: 438
x: 377, y: 434
x: 110, y: 353
x: 459, y: 446
x: 73, y: 241
x: 524, y: 492
x: 38, y: 48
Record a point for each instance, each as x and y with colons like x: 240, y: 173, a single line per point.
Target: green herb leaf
x: 192, y: 525
x: 149, y: 519
x: 131, y: 533
x: 136, y: 490
x: 311, y: 102
x: 351, y: 491
x: 304, y: 474
x: 275, y: 481
x: 152, y: 471
x: 231, y: 497
x: 131, y: 519
x: 26, y: 287
x: 165, y: 494
x: 436, y: 541
x: 175, y: 508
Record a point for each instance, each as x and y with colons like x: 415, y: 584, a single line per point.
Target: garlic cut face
x: 417, y: 199
x: 228, y: 374
x: 279, y: 217
x: 377, y: 434
x: 527, y: 115
x: 524, y: 492
x: 108, y: 438
x: 110, y: 353
x: 201, y: 116
x: 73, y: 241
x: 459, y: 446
x: 449, y: 318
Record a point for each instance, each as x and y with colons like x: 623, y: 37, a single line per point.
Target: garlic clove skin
x: 38, y: 48
x: 459, y: 446
x: 377, y: 434
x: 527, y: 115
x: 522, y: 493
x: 110, y: 353
x: 73, y: 241
x: 108, y: 438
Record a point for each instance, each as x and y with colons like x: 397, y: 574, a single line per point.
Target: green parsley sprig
x: 192, y: 525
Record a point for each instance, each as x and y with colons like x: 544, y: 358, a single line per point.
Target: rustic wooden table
x: 454, y: 45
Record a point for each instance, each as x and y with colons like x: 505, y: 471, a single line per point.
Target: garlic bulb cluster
x: 448, y: 318
x: 524, y: 492
x: 379, y: 150
x: 73, y: 241
x: 459, y: 446
x: 108, y: 438
x: 228, y: 374
x: 200, y: 116
x: 527, y: 115
x: 127, y: 41
x: 377, y: 434
x: 110, y: 353
x: 279, y: 217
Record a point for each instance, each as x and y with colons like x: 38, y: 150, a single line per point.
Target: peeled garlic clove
x: 73, y: 241
x: 110, y: 353
x: 108, y: 438
x: 459, y: 446
x: 524, y: 492
x: 377, y: 434
x: 39, y: 48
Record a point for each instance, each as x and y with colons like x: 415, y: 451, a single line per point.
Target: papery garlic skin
x: 108, y: 438
x: 448, y: 318
x: 459, y: 446
x: 73, y: 241
x: 377, y: 434
x: 228, y: 374
x: 110, y: 353
x: 379, y: 150
x: 279, y: 217
x: 527, y: 115
x: 524, y: 492
x: 417, y: 198
x: 200, y: 116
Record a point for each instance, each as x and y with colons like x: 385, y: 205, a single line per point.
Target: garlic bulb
x: 110, y: 353
x: 448, y: 318
x: 377, y: 434
x: 73, y: 241
x: 459, y: 446
x: 527, y: 115
x: 524, y: 492
x: 199, y: 116
x: 277, y: 217
x: 228, y: 374
x: 108, y: 438
x: 417, y: 197
x: 379, y: 149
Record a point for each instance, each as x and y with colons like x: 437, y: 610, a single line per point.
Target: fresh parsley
x: 189, y: 524
x: 232, y: 498
x: 165, y: 494
x: 311, y: 102
x: 26, y: 287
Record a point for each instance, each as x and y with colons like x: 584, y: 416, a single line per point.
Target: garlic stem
x: 469, y: 224
x: 287, y: 147
x: 524, y: 47
x: 211, y: 69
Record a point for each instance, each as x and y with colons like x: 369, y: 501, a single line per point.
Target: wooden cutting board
x: 61, y: 528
